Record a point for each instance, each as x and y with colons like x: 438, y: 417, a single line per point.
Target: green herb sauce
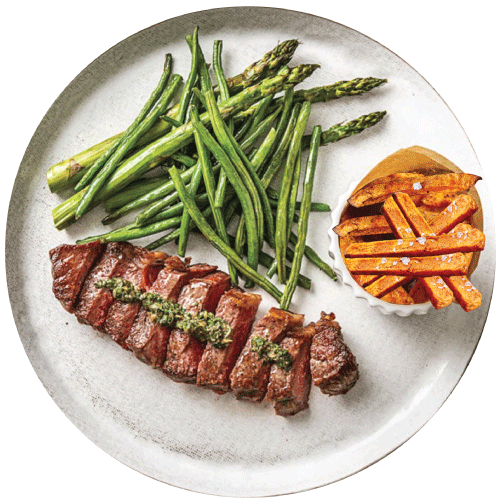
x: 204, y: 326
x: 271, y: 352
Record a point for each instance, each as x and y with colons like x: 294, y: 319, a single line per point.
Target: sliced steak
x: 147, y: 339
x: 184, y: 351
x: 250, y: 374
x: 93, y: 303
x: 289, y: 390
x: 333, y: 366
x: 141, y: 272
x: 238, y: 308
x: 70, y: 266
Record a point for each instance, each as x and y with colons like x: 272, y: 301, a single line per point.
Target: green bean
x: 283, y: 224
x: 223, y: 88
x: 209, y: 179
x: 240, y: 189
x: 192, y: 41
x: 314, y: 258
x: 158, y: 203
x: 217, y: 242
x: 276, y: 161
x: 303, y: 222
x: 256, y: 161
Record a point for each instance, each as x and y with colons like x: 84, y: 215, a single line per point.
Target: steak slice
x: 93, y: 303
x: 184, y: 351
x: 238, y: 308
x: 147, y: 339
x: 70, y: 266
x: 250, y: 374
x: 289, y: 390
x: 141, y: 272
x: 333, y: 366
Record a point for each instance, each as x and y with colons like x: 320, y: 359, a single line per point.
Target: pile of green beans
x: 208, y: 163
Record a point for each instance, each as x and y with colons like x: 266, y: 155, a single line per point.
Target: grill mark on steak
x: 333, y: 366
x: 289, y: 390
x: 238, y: 308
x: 93, y: 303
x: 184, y: 352
x: 250, y: 375
x: 147, y: 339
x: 70, y: 266
x: 141, y: 272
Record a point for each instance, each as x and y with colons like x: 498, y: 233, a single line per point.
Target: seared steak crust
x: 289, y: 390
x: 93, y: 303
x: 70, y: 266
x: 250, y: 374
x: 238, y: 308
x: 318, y: 351
x: 333, y: 366
x: 184, y: 352
x: 141, y: 272
x: 147, y: 339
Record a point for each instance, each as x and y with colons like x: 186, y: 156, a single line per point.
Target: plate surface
x: 189, y: 437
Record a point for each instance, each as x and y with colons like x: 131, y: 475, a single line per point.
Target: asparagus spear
x: 264, y: 67
x: 68, y: 172
x: 155, y: 153
x: 155, y: 95
x: 130, y: 138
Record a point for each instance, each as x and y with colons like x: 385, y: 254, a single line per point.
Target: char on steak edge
x: 318, y: 351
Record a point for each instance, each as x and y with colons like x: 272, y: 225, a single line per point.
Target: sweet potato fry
x: 379, y: 192
x: 414, y: 217
x: 385, y: 284
x: 396, y: 220
x: 418, y: 294
x: 361, y: 226
x: 426, y: 266
x: 469, y: 240
x: 439, y: 200
x: 398, y: 296
x: 437, y: 291
x: 459, y: 210
x: 344, y: 242
x: 466, y: 294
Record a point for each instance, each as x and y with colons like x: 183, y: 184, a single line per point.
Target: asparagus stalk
x: 68, y: 172
x: 264, y: 67
x: 155, y: 95
x: 130, y: 138
x: 155, y: 153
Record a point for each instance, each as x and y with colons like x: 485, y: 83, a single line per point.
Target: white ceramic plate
x: 192, y: 438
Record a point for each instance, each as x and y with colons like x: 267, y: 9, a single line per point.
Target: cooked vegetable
x: 302, y: 225
x: 245, y: 136
x: 217, y: 242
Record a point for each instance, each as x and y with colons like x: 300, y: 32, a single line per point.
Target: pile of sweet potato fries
x: 425, y: 251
